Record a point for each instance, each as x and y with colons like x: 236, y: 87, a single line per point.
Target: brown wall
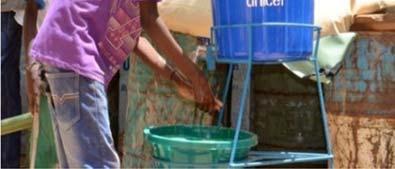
x: 361, y: 104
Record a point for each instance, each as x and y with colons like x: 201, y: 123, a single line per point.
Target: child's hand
x: 199, y: 93
x: 205, y: 97
x: 185, y: 90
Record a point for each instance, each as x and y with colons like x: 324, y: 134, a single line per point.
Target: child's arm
x: 162, y: 37
x: 154, y: 60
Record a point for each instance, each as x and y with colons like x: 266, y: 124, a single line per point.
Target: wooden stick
x: 34, y: 140
x: 29, y: 31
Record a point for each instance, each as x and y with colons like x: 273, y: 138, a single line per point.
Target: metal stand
x: 266, y: 158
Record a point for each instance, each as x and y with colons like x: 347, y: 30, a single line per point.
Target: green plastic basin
x: 197, y: 144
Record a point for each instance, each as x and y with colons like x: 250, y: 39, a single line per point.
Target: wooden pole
x: 29, y: 32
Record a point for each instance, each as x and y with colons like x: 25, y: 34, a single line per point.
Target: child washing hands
x: 81, y: 54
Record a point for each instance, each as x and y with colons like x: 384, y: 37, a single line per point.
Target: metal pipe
x: 283, y: 155
x: 225, y: 95
x: 322, y: 101
x: 284, y: 161
x: 265, y: 24
x: 243, y: 97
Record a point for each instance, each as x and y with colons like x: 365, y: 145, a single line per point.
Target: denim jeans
x: 81, y: 122
x: 11, y: 39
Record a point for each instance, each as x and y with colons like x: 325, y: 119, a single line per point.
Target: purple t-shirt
x: 90, y: 37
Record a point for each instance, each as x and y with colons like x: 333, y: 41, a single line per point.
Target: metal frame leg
x: 322, y: 103
x: 243, y: 98
x: 225, y: 94
x: 240, y: 115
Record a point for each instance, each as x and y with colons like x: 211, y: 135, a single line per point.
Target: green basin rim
x: 153, y: 138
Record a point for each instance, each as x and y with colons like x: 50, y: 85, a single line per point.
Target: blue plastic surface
x: 269, y: 43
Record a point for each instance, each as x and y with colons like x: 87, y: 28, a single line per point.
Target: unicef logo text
x: 264, y: 3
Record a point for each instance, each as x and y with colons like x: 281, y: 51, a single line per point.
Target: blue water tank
x: 269, y: 43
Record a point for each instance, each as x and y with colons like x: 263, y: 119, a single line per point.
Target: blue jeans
x: 11, y: 39
x: 81, y: 122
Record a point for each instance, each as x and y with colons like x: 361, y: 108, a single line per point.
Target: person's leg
x: 11, y: 34
x: 82, y: 120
